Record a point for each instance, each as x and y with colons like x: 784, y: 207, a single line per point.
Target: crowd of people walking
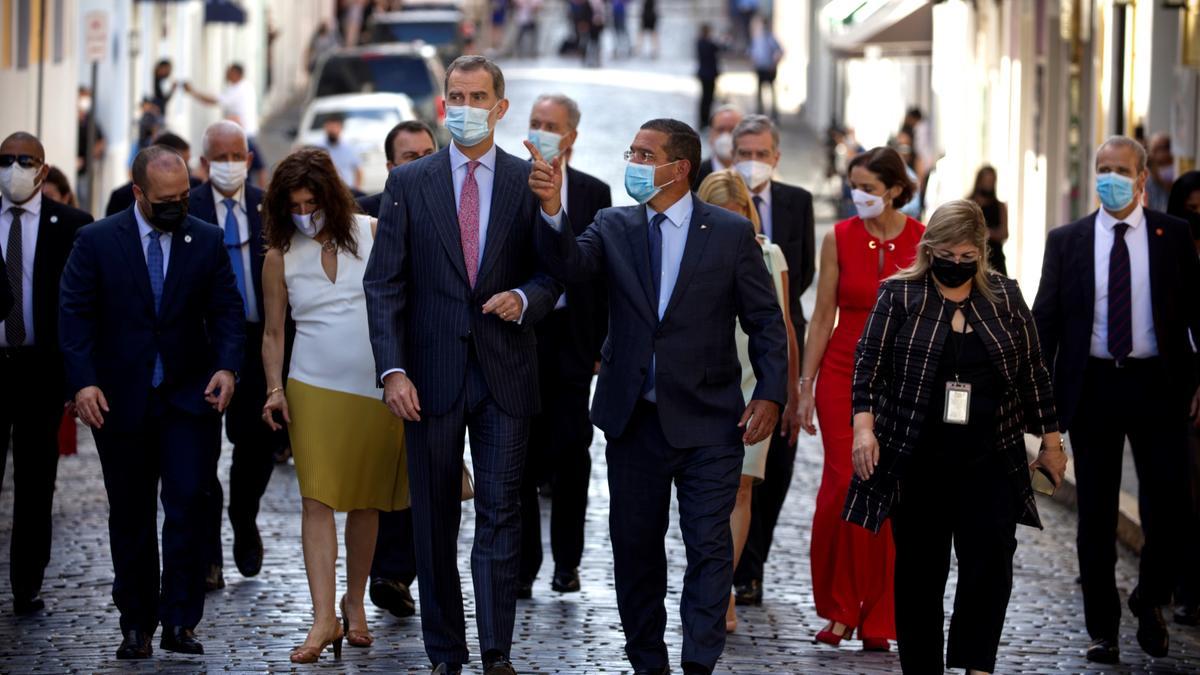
x: 479, y: 294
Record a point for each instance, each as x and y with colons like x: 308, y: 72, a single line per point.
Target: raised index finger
x: 537, y: 156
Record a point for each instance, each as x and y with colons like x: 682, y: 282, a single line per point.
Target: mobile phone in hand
x: 1043, y: 482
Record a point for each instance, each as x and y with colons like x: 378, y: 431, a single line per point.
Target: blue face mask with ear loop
x: 467, y: 125
x: 639, y: 181
x: 1115, y: 191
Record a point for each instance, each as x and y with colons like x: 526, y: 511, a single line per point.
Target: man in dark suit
x: 406, y: 142
x: 786, y: 214
x: 453, y: 291
x: 151, y: 329
x: 36, y: 235
x: 122, y: 198
x: 708, y: 69
x: 679, y: 273
x: 720, y: 140
x: 568, y: 350
x: 395, y: 564
x: 1117, y: 313
x: 232, y: 204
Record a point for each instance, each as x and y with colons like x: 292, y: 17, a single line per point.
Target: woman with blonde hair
x: 727, y: 190
x: 948, y: 376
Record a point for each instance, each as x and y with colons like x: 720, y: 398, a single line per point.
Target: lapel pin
x: 1159, y: 231
x: 704, y: 226
x: 54, y: 219
x: 258, y: 208
x: 187, y: 238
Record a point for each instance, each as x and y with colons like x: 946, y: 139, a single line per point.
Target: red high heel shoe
x: 876, y: 645
x: 829, y: 637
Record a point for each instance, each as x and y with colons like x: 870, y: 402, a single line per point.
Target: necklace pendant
x: 329, y: 246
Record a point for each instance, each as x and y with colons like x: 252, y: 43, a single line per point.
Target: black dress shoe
x: 135, y: 645
x: 748, y: 593
x: 1103, y: 651
x: 1187, y: 615
x: 27, y: 606
x: 1152, y: 627
x: 248, y: 549
x: 393, y: 596
x: 447, y: 669
x: 215, y: 579
x: 690, y: 668
x: 496, y: 662
x: 524, y: 590
x: 180, y: 640
x: 665, y: 670
x: 565, y: 580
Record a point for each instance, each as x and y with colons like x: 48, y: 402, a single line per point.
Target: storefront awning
x: 897, y: 27
x: 224, y: 11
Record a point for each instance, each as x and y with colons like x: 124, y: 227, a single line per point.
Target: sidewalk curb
x: 1129, y: 522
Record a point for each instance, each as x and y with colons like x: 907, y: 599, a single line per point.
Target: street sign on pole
x: 95, y: 35
x: 95, y: 28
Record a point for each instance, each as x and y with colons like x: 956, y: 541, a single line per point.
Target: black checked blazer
x: 423, y: 313
x: 895, y: 367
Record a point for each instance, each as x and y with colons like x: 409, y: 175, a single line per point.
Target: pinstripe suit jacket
x: 423, y: 313
x: 895, y: 368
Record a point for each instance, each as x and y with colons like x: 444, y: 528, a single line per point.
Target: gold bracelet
x: 273, y: 391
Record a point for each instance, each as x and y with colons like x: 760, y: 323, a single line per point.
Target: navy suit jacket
x: 110, y: 333
x: 423, y: 312
x: 722, y: 277
x: 370, y: 204
x: 1066, y: 300
x: 202, y: 206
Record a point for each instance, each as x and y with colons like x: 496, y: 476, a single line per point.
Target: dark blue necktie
x: 1120, y: 314
x: 154, y: 263
x: 654, y: 236
x: 233, y: 245
x: 14, y: 323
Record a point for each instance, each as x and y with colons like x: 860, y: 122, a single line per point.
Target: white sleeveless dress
x: 347, y: 445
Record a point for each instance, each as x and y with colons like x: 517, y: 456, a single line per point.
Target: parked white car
x: 367, y: 120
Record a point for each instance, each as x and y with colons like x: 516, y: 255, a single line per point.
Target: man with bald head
x: 228, y: 201
x: 35, y: 240
x: 152, y: 332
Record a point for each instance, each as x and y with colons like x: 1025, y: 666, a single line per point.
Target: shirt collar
x: 765, y: 195
x: 718, y: 165
x: 677, y: 214
x: 33, y: 207
x: 457, y: 158
x: 239, y: 197
x: 1108, y: 221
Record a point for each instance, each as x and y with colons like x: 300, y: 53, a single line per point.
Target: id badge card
x: 958, y: 403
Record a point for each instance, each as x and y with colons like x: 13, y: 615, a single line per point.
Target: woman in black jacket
x: 948, y: 376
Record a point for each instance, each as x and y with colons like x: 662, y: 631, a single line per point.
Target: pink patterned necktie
x: 468, y: 222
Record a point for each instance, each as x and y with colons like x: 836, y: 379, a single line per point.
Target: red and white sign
x: 95, y: 29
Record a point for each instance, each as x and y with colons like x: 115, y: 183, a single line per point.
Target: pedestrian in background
x: 229, y: 202
x: 649, y: 29
x: 851, y: 568
x: 527, y: 27
x: 151, y: 359
x: 1117, y: 315
x: 85, y: 157
x: 995, y: 214
x: 720, y: 141
x: 622, y: 45
x: 948, y: 376
x: 164, y: 88
x: 407, y: 142
x: 36, y: 235
x: 238, y: 102
x: 344, y: 155
x: 902, y: 144
x: 123, y: 197
x: 708, y: 69
x: 58, y: 189
x: 569, y: 342
x: 727, y: 190
x: 765, y: 55
x: 1161, y: 164
x: 348, y: 449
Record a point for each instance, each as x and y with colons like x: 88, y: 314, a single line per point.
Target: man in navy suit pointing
x: 679, y: 273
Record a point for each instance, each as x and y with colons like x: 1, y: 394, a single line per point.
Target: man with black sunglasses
x: 35, y: 236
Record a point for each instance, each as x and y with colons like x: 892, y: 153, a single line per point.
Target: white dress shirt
x: 238, y: 100
x: 718, y: 165
x: 764, y: 214
x: 30, y: 220
x: 164, y: 240
x: 1145, y: 342
x: 239, y: 212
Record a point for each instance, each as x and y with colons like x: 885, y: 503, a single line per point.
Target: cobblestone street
x: 252, y: 624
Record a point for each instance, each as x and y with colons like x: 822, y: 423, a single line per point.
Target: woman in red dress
x: 852, y: 568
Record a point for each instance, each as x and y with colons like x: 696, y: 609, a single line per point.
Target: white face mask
x: 227, y: 176
x: 17, y: 183
x: 868, y: 205
x: 755, y: 173
x: 309, y: 224
x: 723, y: 147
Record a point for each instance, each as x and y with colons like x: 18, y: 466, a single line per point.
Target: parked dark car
x: 443, y: 29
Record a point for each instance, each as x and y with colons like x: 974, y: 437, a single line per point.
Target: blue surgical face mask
x: 547, y: 143
x: 468, y: 126
x: 639, y: 181
x: 1115, y: 190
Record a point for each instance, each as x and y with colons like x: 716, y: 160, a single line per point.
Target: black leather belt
x: 1132, y: 364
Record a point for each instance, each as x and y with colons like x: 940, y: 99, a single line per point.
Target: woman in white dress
x: 348, y: 447
x: 727, y: 190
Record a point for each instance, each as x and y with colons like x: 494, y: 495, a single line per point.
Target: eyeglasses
x: 25, y: 161
x: 969, y: 257
x: 642, y: 156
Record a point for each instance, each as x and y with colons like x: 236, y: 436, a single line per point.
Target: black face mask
x: 168, y: 216
x: 333, y: 138
x: 953, y: 274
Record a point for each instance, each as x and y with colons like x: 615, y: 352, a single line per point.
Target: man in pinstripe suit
x: 453, y: 290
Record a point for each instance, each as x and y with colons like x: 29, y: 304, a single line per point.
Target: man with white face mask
x: 720, y: 139
x: 233, y: 205
x: 36, y: 235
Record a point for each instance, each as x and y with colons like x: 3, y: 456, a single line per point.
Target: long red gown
x: 852, y: 569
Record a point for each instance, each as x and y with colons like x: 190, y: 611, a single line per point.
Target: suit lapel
x: 506, y: 190
x: 693, y: 250
x: 439, y: 185
x: 574, y: 196
x: 1085, y: 249
x: 640, y: 245
x: 179, y: 260
x: 130, y: 241
x: 254, y: 221
x: 1160, y: 263
x: 202, y: 206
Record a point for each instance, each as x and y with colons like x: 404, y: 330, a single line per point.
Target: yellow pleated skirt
x: 348, y: 449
